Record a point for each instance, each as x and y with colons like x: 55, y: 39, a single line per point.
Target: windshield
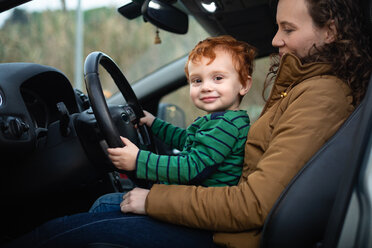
x: 61, y: 36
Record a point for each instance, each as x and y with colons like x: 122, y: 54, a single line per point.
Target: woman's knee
x: 107, y: 203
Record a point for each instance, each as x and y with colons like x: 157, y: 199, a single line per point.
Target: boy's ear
x: 246, y: 87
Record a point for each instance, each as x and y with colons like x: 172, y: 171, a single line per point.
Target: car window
x: 253, y: 102
x: 48, y: 36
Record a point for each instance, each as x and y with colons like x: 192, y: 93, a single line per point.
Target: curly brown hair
x: 242, y: 54
x: 350, y: 53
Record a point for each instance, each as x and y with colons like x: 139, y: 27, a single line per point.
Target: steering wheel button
x: 125, y: 118
x: 90, y: 111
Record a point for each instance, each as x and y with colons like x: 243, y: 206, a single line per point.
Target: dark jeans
x: 107, y: 203
x: 113, y: 227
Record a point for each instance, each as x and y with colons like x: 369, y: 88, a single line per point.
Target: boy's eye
x: 196, y: 80
x: 218, y: 78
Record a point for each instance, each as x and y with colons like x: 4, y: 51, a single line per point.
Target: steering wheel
x: 120, y: 120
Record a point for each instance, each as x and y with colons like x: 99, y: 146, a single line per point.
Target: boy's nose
x: 206, y: 86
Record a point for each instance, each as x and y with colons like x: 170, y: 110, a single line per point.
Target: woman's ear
x: 245, y: 87
x: 331, y: 32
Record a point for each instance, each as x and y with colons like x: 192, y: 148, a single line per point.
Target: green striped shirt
x: 212, y: 151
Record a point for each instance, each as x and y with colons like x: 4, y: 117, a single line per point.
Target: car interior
x: 54, y: 160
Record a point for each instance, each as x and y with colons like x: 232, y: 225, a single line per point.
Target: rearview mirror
x: 165, y: 16
x: 131, y: 10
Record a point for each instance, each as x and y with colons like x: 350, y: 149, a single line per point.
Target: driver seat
x: 300, y: 215
x: 311, y: 210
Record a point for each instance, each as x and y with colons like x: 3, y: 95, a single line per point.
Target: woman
x: 322, y: 75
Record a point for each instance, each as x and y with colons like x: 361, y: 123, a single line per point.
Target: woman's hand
x: 147, y: 120
x: 124, y: 158
x: 134, y: 201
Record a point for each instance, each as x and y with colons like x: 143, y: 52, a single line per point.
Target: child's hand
x: 124, y: 158
x: 148, y: 119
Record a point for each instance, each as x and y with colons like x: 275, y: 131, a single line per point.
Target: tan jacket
x: 306, y: 108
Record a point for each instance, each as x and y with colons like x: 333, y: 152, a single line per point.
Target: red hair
x: 241, y: 52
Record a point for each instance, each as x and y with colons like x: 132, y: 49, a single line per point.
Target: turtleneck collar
x: 291, y: 72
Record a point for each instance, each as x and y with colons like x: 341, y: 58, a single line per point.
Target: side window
x: 252, y: 102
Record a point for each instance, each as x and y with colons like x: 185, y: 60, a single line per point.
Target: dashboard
x: 40, y: 149
x: 29, y: 94
x: 43, y: 156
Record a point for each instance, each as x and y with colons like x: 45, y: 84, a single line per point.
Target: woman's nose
x: 277, y: 40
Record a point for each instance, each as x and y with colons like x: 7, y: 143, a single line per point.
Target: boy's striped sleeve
x: 213, y: 143
x: 169, y: 134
